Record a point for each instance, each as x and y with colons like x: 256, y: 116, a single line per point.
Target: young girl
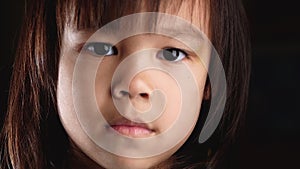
x: 65, y: 69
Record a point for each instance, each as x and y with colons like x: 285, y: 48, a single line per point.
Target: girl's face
x: 170, y: 52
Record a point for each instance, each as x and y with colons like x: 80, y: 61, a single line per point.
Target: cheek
x: 64, y: 92
x: 171, y: 90
x: 65, y: 103
x: 103, y: 86
x: 199, y: 70
x: 68, y: 115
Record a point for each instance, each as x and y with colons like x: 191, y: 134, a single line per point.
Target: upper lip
x: 126, y: 122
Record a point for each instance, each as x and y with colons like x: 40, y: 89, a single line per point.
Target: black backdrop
x: 272, y: 135
x: 273, y: 127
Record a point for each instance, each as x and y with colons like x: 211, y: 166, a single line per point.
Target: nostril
x: 144, y: 95
x: 124, y: 93
x: 119, y: 94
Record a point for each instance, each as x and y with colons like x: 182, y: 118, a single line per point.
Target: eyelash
x: 105, y: 49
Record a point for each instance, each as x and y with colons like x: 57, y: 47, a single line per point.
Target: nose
x: 139, y: 92
x: 139, y: 88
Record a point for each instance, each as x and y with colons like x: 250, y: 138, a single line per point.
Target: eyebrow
x: 187, y: 33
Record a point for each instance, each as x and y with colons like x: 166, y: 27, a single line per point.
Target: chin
x: 133, y: 163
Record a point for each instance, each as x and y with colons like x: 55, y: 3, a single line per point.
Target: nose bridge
x: 137, y: 43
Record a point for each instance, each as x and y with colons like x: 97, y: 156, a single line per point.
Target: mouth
x: 132, y: 129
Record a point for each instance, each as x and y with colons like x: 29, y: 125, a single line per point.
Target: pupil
x: 101, y: 49
x: 170, y: 54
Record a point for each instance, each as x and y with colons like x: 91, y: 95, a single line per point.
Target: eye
x: 172, y: 54
x: 101, y: 49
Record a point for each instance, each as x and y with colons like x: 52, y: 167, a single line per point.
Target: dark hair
x: 33, y: 136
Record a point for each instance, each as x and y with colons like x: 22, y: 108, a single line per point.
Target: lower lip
x: 133, y: 131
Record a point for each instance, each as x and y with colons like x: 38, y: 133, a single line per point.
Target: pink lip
x: 132, y: 129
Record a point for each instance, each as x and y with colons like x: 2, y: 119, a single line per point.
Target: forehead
x: 92, y: 16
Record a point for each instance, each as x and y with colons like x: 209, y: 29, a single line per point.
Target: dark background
x: 272, y: 139
x: 272, y: 136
